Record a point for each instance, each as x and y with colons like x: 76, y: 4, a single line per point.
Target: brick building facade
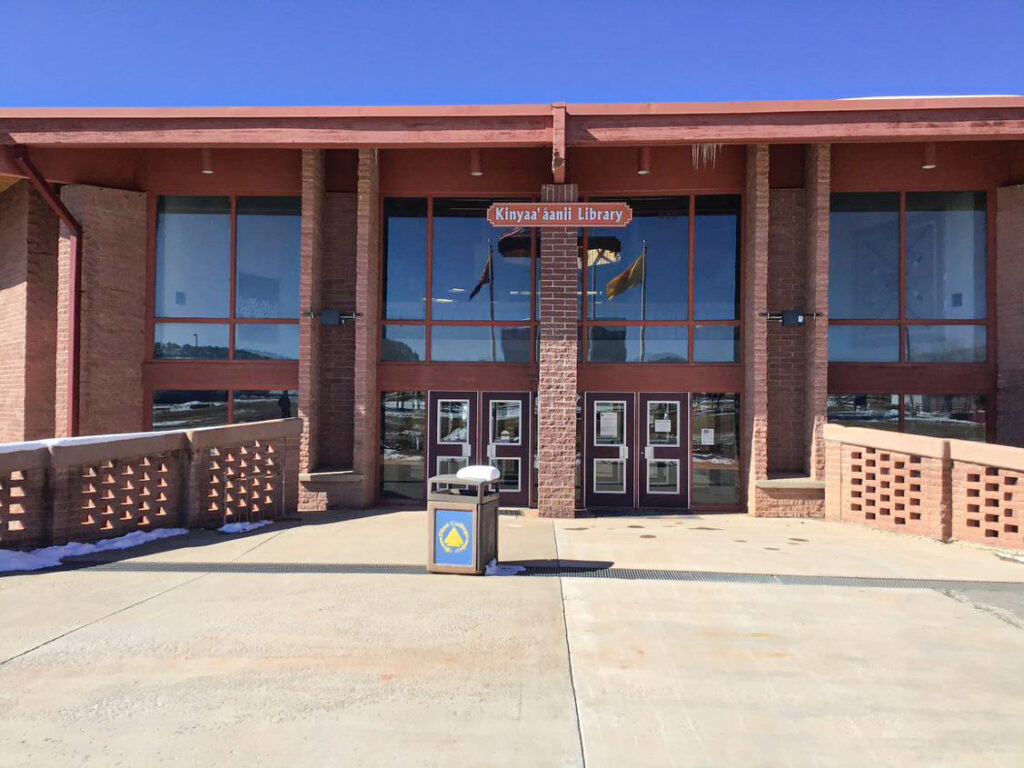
x: 853, y: 262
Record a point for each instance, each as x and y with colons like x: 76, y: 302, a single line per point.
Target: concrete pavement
x: 245, y: 651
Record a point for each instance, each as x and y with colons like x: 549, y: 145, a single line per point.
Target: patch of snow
x: 243, y: 527
x: 51, y: 557
x: 495, y: 569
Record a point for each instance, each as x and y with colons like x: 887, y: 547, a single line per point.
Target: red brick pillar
x: 113, y: 310
x: 558, y: 354
x: 818, y: 177
x: 755, y: 325
x: 1009, y: 311
x: 28, y: 314
x: 310, y: 330
x: 366, y: 406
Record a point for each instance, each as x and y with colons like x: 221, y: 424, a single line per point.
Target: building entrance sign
x: 560, y: 214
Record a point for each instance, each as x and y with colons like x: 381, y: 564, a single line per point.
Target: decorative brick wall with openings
x: 559, y: 340
x: 84, y: 489
x: 988, y: 494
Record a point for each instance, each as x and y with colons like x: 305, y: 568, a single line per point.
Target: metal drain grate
x: 567, y: 571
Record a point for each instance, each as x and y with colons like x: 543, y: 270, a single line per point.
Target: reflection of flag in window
x: 487, y: 276
x: 633, y: 276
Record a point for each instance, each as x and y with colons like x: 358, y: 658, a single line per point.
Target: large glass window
x: 935, y: 242
x: 196, y: 271
x: 403, y: 457
x: 191, y: 409
x: 715, y: 449
x: 651, y: 297
x: 479, y: 305
x: 961, y: 417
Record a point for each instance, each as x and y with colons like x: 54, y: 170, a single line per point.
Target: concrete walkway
x: 292, y: 647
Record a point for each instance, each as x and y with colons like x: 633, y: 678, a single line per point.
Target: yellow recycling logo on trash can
x: 453, y: 537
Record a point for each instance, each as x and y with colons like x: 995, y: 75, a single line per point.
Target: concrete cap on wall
x: 1004, y: 456
x: 880, y: 439
x: 235, y: 434
x: 76, y: 451
x: 17, y: 457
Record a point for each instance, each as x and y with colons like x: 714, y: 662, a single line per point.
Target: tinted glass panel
x: 715, y: 429
x: 405, y: 269
x: 716, y: 270
x: 864, y: 344
x: 266, y: 342
x: 954, y: 416
x: 189, y: 409
x: 403, y: 464
x: 716, y: 344
x: 262, y: 405
x: 637, y: 344
x: 946, y: 255
x: 480, y: 343
x: 624, y: 286
x: 946, y: 343
x: 404, y: 343
x: 190, y: 341
x: 269, y: 234
x: 193, y: 257
x: 480, y: 272
x: 874, y: 411
x: 865, y: 252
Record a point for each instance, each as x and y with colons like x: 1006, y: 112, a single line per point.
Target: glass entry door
x: 663, y: 445
x: 507, y: 434
x: 453, y: 432
x: 609, y: 450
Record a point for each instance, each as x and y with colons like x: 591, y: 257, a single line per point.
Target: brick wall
x: 1010, y: 314
x: 337, y: 345
x: 556, y: 387
x: 817, y: 168
x: 365, y: 400
x: 755, y: 333
x: 113, y: 309
x: 28, y: 298
x: 787, y: 278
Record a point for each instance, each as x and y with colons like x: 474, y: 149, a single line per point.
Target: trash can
x: 463, y: 527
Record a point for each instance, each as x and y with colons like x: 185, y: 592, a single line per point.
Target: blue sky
x: 314, y: 52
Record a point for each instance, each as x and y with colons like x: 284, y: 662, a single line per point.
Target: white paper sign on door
x: 663, y: 425
x: 707, y: 437
x: 608, y: 425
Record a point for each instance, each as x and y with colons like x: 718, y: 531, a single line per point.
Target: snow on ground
x: 243, y: 527
x: 494, y: 569
x: 51, y: 557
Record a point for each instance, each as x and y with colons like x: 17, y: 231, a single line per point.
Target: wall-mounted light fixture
x: 643, y: 162
x: 206, y: 165
x: 475, y: 163
x: 929, y: 157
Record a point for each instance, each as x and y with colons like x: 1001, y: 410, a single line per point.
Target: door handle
x: 492, y: 451
x: 623, y: 451
x: 649, y: 452
x: 465, y: 450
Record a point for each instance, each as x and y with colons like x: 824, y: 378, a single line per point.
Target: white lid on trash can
x: 479, y: 472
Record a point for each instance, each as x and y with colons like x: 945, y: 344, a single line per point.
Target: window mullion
x: 233, y: 286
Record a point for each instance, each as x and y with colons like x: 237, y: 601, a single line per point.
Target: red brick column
x: 755, y: 325
x: 787, y: 278
x: 1009, y: 310
x: 310, y: 330
x: 817, y: 169
x: 28, y: 314
x: 114, y: 224
x: 558, y: 355
x: 365, y: 400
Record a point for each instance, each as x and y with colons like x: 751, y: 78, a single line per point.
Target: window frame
x: 232, y: 374
x: 586, y: 322
x: 902, y: 322
x: 428, y: 322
